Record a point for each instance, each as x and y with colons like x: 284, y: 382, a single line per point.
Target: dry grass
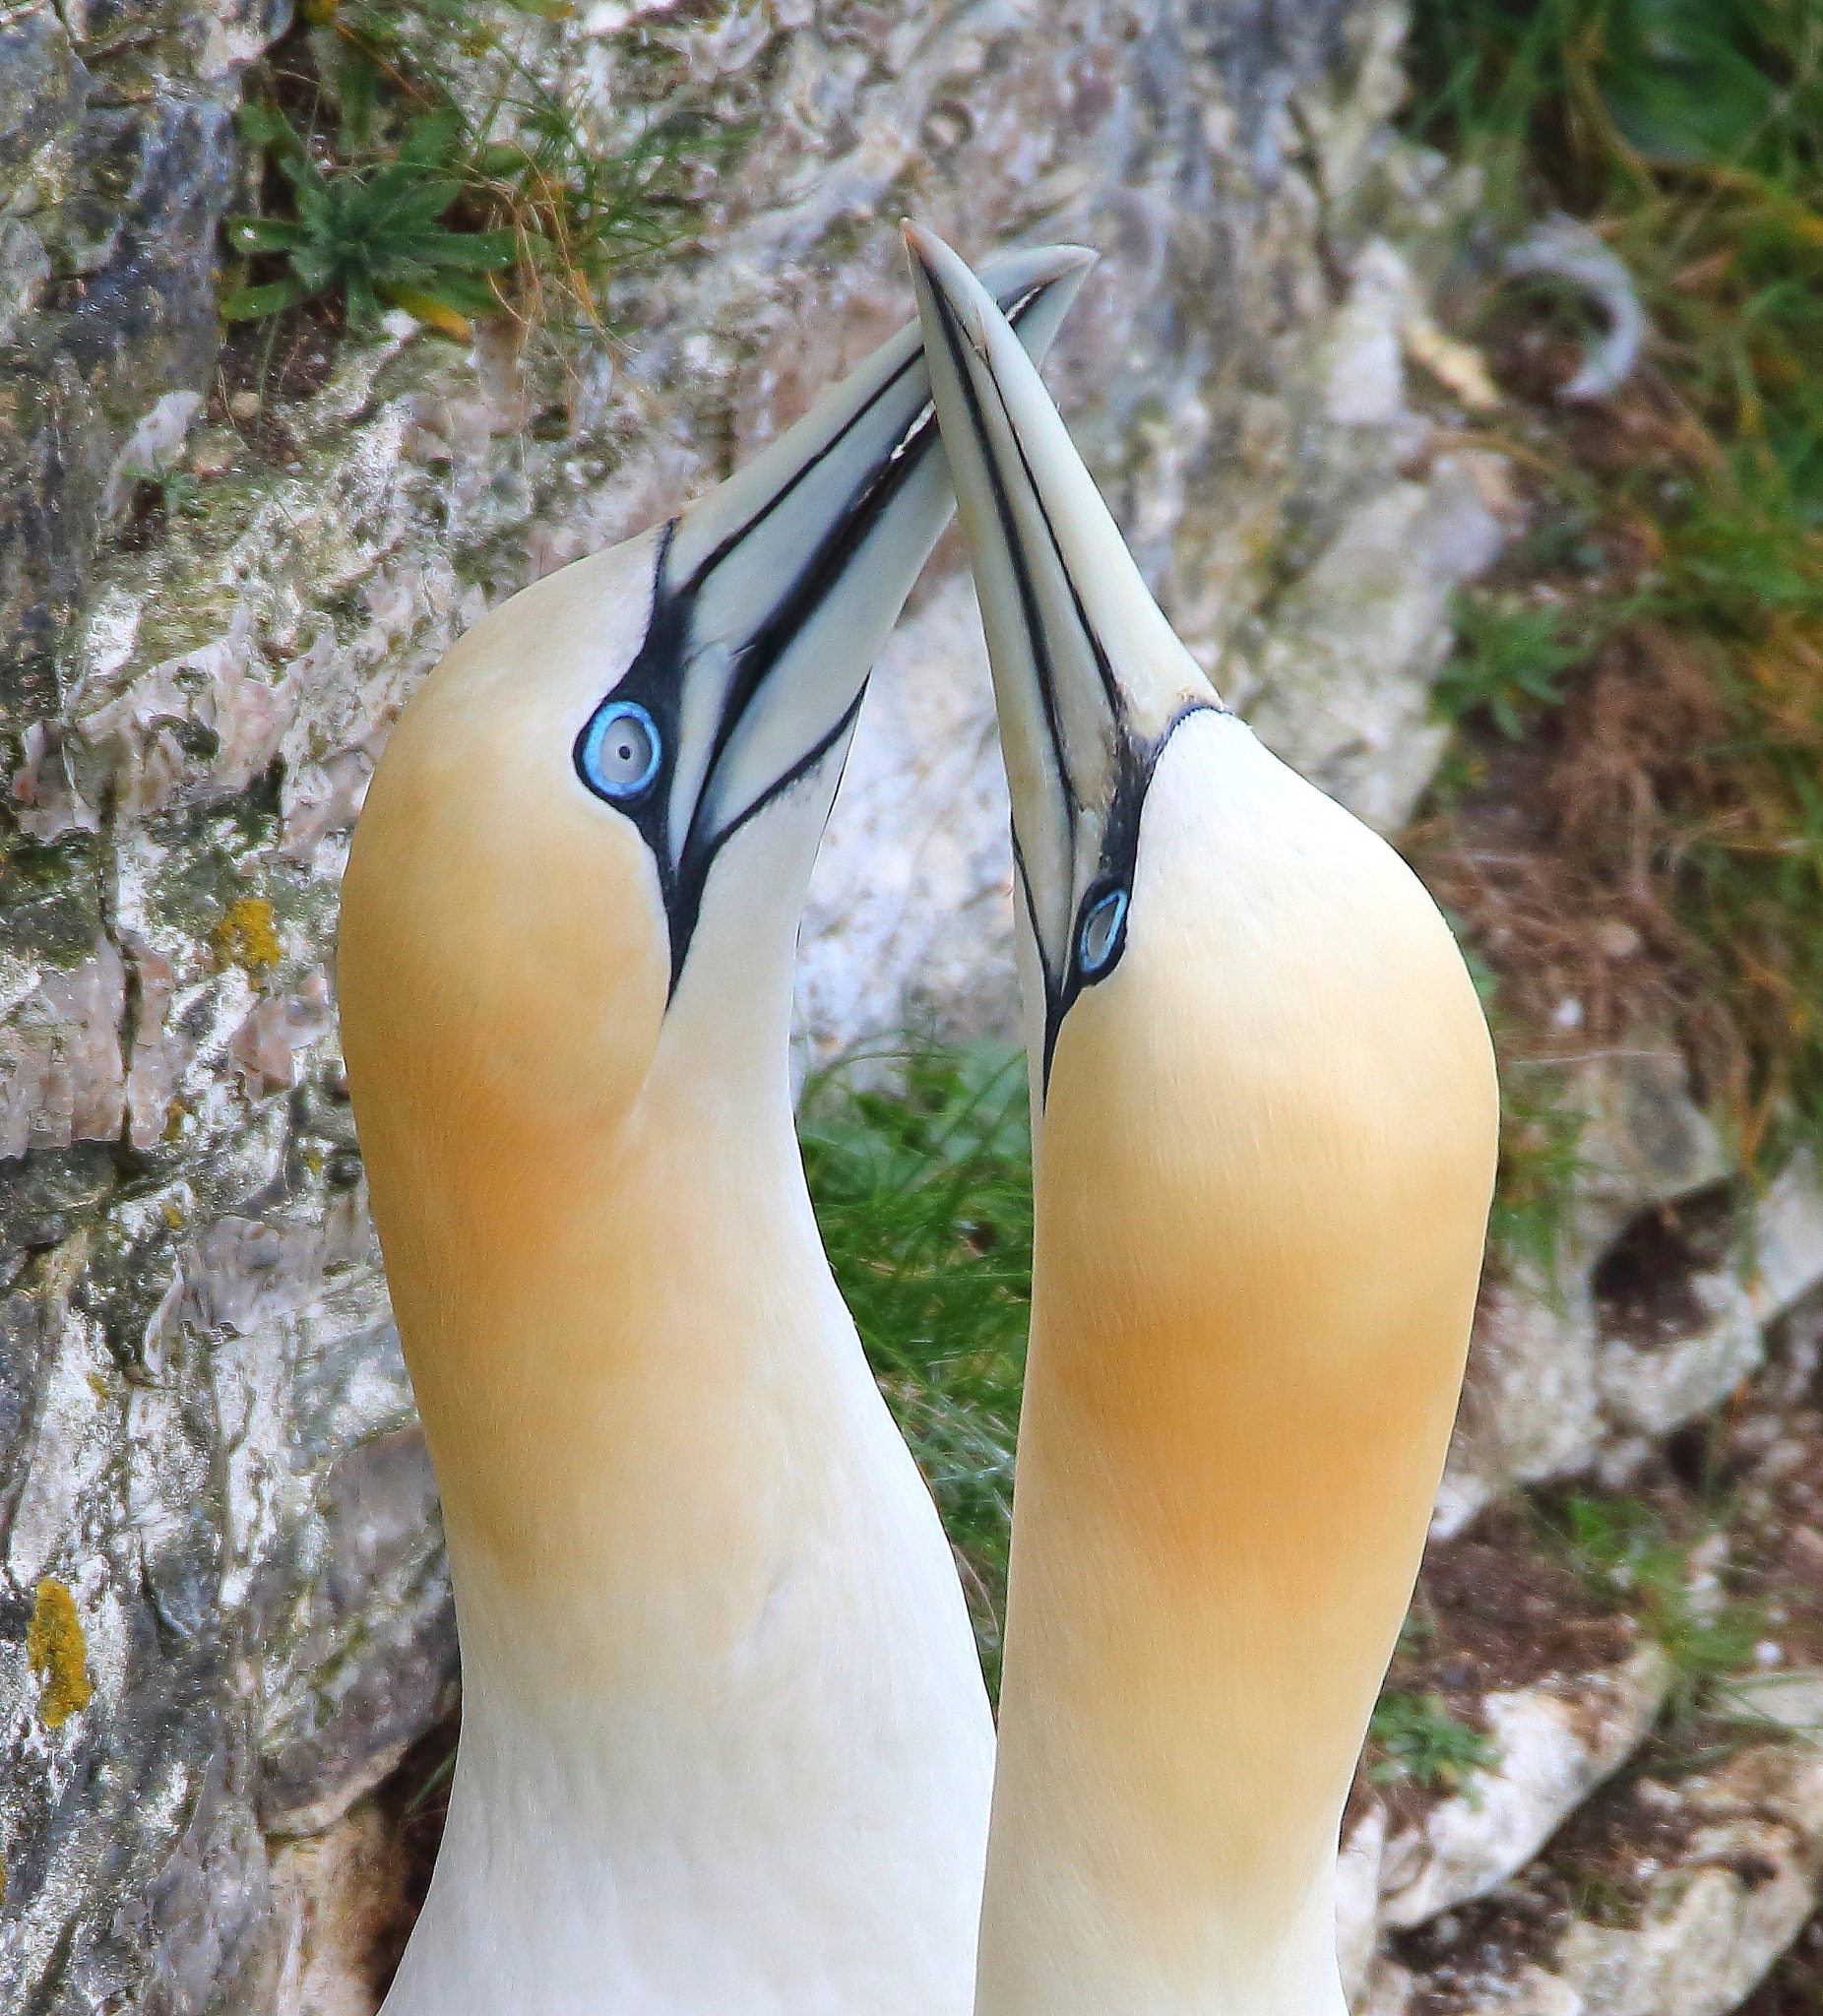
x: 1634, y: 844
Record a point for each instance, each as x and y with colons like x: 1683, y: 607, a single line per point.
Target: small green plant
x: 1622, y: 1547
x: 371, y: 238
x: 1508, y: 664
x: 1613, y: 1543
x: 1424, y: 1741
x: 1416, y: 1629
x: 1535, y: 1179
x: 923, y: 1188
x: 422, y: 159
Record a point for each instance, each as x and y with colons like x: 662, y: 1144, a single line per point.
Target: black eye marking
x: 1101, y: 933
x: 620, y: 751
x: 627, y: 750
x: 1099, y: 938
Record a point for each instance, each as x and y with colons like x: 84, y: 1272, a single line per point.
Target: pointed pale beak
x: 775, y: 593
x: 1090, y: 679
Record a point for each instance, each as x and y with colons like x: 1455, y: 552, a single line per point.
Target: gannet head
x: 633, y: 756
x: 1104, y: 716
x: 1092, y: 683
x: 1267, y: 1148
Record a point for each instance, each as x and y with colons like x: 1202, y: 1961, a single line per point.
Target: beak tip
x: 924, y: 248
x: 930, y: 253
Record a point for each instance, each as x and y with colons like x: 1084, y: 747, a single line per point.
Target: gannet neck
x: 1260, y: 1197
x: 658, y: 1492
x: 725, y: 1745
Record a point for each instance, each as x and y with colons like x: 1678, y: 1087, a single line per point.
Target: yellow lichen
x: 245, y: 936
x: 57, y: 1655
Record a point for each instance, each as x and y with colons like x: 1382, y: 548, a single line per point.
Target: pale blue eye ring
x: 1098, y: 937
x: 620, y: 750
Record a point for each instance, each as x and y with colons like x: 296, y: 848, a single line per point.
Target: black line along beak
x: 1090, y: 679
x: 773, y: 596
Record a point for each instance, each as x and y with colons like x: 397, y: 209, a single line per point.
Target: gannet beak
x: 1090, y: 679
x: 774, y: 595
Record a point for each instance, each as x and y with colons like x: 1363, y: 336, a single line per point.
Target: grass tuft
x: 1422, y: 1740
x: 923, y: 1195
x: 1508, y: 665
x: 1622, y: 1546
x: 417, y: 158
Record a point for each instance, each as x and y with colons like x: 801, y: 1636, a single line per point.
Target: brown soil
x: 1541, y: 914
x: 1497, y: 1608
x: 280, y: 361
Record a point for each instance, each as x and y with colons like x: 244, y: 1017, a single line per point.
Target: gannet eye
x: 1099, y: 931
x: 620, y: 751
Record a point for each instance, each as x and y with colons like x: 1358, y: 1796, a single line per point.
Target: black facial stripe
x: 766, y: 510
x: 805, y: 764
x: 1136, y: 763
x: 1027, y: 595
x: 1110, y: 686
x: 656, y: 676
x: 911, y: 442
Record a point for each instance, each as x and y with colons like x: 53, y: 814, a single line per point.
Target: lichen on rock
x: 57, y: 1654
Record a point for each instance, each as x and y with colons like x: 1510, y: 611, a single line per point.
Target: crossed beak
x: 774, y: 595
x: 1090, y: 680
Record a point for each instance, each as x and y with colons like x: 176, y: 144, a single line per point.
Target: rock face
x: 222, y: 1614
x: 117, y: 157
x: 1669, y: 1280
x: 1724, y: 1875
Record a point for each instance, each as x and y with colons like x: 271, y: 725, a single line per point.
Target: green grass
x: 1507, y: 664
x: 1534, y: 1179
x: 923, y: 1195
x: 1422, y: 1740
x: 1623, y: 1546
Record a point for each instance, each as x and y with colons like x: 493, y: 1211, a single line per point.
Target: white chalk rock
x: 1558, y: 1739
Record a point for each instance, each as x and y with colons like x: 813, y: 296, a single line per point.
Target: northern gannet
x: 1265, y: 1121
x: 726, y: 1750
